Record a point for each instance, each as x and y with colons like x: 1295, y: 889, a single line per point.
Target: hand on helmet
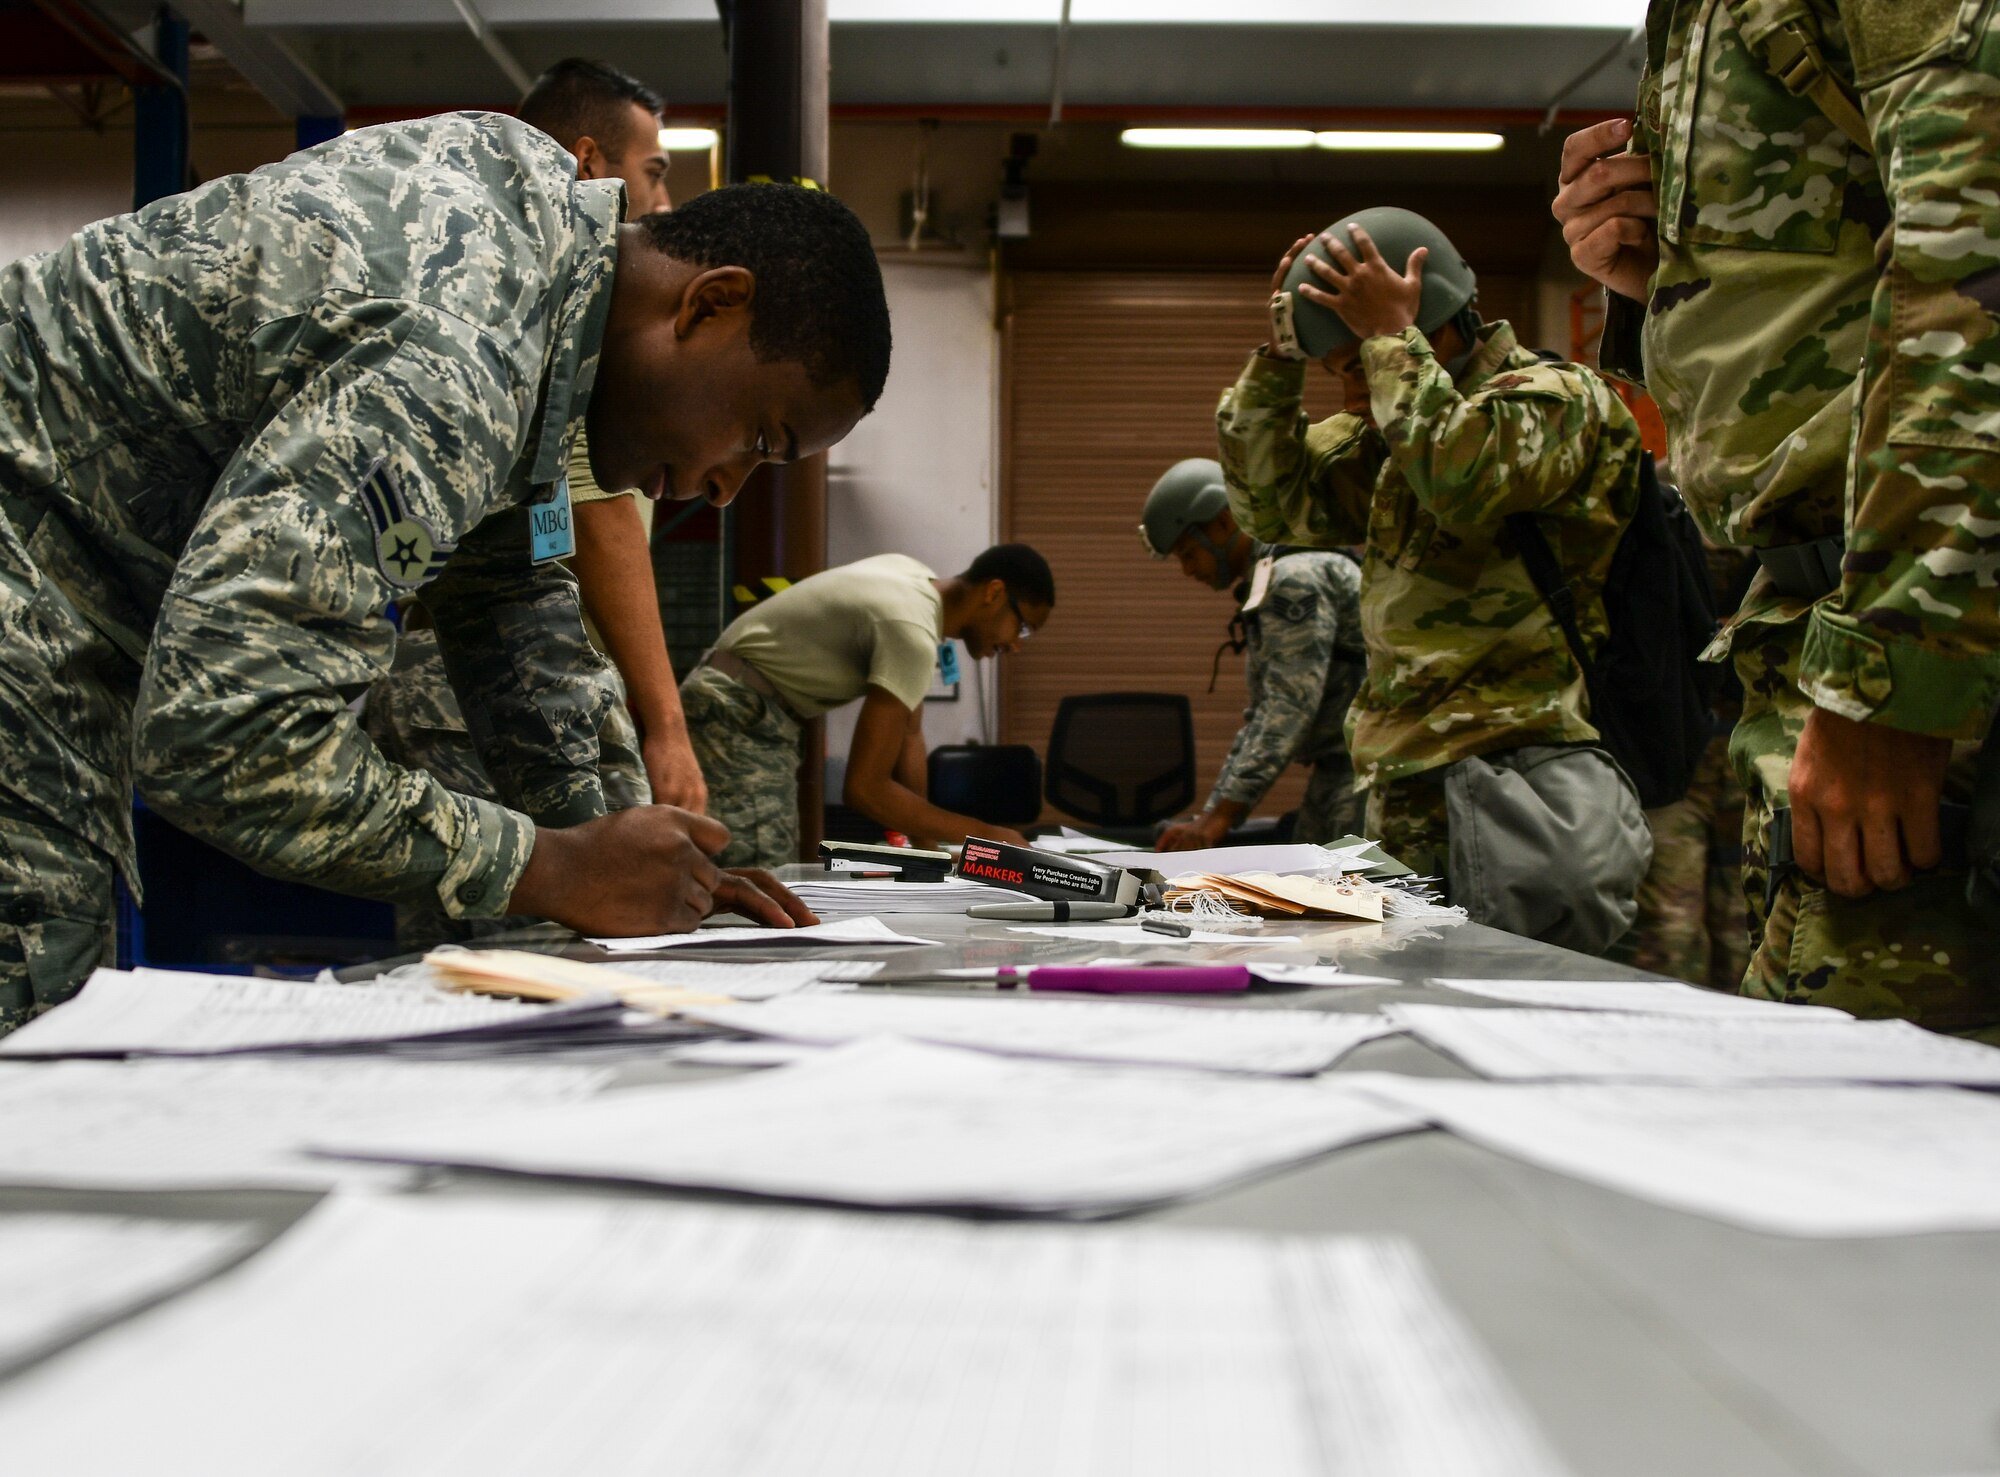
x: 1371, y: 297
x: 1283, y: 344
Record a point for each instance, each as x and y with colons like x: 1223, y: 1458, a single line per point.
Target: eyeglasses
x: 1027, y: 627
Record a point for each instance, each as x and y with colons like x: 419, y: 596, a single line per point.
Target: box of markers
x: 1046, y: 874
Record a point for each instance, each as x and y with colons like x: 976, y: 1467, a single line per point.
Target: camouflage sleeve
x: 1299, y: 628
x: 525, y: 674
x: 353, y: 492
x: 1912, y: 638
x: 1520, y: 441
x: 1290, y: 482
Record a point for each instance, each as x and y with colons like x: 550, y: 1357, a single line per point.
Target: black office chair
x: 1119, y: 761
x: 1001, y: 783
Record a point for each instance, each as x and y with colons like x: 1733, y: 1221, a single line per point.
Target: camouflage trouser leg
x: 1921, y: 954
x: 1332, y: 807
x: 621, y: 766
x: 1411, y: 820
x: 748, y: 747
x: 1689, y: 927
x: 56, y: 909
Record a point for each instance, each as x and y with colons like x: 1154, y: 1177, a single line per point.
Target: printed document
x: 62, y: 1275
x: 413, y: 1338
x: 749, y: 979
x: 1146, y: 938
x: 869, y: 930
x: 1216, y: 1038
x: 1641, y: 997
x: 896, y: 1123
x: 1796, y: 1161
x: 157, y: 1125
x: 182, y: 1013
x: 1528, y: 1044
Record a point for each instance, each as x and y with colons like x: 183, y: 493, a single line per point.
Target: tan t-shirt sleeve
x: 583, y: 486
x: 905, y: 655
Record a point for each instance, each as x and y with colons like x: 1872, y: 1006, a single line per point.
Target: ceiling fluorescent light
x: 1217, y: 138
x: 690, y: 140
x: 1452, y: 143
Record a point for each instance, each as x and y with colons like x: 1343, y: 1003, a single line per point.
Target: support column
x: 777, y: 130
x: 160, y: 118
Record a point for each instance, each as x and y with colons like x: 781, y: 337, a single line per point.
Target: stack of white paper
x: 412, y: 1339
x: 868, y: 930
x: 154, y: 1125
x: 1529, y: 1044
x: 1219, y: 1038
x: 953, y: 895
x: 893, y: 1123
x: 1797, y: 1161
x: 62, y: 1275
x: 181, y: 1013
x: 1639, y: 997
x: 749, y: 979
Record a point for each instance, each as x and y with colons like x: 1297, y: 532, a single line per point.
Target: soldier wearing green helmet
x: 1471, y: 732
x: 1299, y: 619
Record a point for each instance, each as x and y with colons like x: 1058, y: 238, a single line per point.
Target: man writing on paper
x: 1801, y: 235
x: 1471, y: 730
x: 874, y: 630
x: 1299, y: 611
x: 610, y: 123
x: 235, y: 425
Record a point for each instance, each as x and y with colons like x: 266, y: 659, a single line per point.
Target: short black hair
x: 578, y: 98
x: 1025, y: 573
x: 819, y: 301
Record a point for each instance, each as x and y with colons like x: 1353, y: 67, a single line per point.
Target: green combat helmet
x: 1307, y: 330
x: 1182, y: 501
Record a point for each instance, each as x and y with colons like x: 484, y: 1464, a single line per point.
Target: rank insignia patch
x: 407, y: 551
x: 1294, y: 608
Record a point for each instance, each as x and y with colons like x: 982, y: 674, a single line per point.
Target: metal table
x: 1649, y: 1343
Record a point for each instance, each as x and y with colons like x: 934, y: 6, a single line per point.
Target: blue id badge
x: 948, y: 662
x: 550, y: 534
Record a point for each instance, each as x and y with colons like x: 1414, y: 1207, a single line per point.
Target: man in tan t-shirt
x: 871, y: 630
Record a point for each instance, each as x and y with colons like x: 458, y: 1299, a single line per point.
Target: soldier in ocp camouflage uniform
x: 234, y: 425
x: 1446, y: 432
x: 1804, y: 275
x: 1300, y: 618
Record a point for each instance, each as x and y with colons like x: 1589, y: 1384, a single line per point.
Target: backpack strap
x: 1785, y: 37
x: 1547, y: 572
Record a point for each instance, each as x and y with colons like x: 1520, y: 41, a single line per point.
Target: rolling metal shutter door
x: 1108, y: 378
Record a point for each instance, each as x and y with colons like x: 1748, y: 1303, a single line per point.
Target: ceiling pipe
x: 493, y: 45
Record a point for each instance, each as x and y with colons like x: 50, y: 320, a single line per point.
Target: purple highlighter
x: 1137, y: 979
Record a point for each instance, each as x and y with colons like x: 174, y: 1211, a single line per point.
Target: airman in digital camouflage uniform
x: 610, y: 122
x: 236, y: 424
x: 1803, y: 272
x: 1300, y: 618
x: 1450, y: 426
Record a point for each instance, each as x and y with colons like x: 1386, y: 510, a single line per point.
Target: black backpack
x: 1651, y: 697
